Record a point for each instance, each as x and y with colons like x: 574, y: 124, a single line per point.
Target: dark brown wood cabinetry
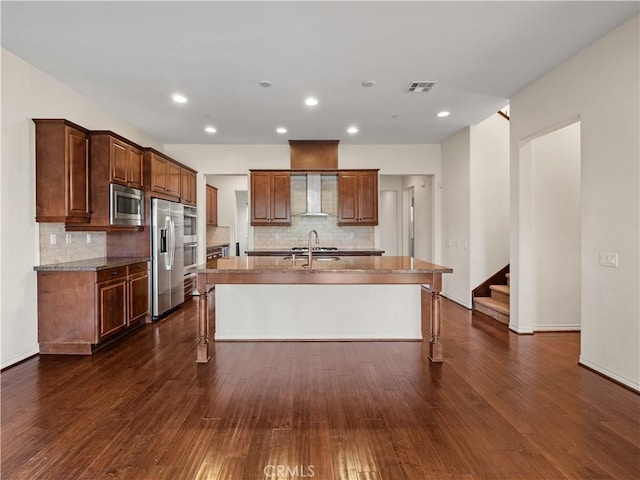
x: 188, y: 186
x: 80, y: 310
x: 358, y: 197
x: 62, y: 172
x: 212, y: 205
x: 162, y: 174
x: 114, y: 159
x: 126, y: 166
x: 270, y: 198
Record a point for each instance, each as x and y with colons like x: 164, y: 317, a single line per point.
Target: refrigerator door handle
x: 172, y: 244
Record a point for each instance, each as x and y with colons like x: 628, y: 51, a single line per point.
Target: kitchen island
x: 277, y: 298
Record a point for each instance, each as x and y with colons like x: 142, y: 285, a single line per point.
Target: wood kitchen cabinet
x: 212, y: 205
x: 162, y: 174
x: 188, y: 186
x: 358, y: 197
x: 62, y: 172
x: 124, y: 160
x: 114, y: 159
x: 270, y: 198
x: 78, y: 311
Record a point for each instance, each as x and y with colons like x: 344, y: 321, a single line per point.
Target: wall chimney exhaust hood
x: 314, y: 156
x: 314, y: 196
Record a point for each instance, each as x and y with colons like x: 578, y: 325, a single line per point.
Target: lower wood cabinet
x: 79, y: 311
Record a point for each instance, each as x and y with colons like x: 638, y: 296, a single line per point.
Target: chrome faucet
x: 309, y: 249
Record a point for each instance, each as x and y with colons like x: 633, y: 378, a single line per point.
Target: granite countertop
x: 345, y: 265
x: 340, y: 252
x: 90, y: 264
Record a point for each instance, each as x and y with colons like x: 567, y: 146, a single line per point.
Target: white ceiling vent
x: 420, y: 87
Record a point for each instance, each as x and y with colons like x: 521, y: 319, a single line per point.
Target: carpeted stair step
x: 493, y: 308
x: 500, y: 293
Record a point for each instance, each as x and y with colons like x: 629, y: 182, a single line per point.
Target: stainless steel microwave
x: 126, y: 206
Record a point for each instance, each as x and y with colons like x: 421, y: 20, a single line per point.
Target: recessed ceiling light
x: 443, y: 113
x: 311, y: 102
x: 265, y: 83
x: 368, y: 83
x: 210, y: 129
x: 281, y: 130
x: 179, y: 98
x: 352, y: 130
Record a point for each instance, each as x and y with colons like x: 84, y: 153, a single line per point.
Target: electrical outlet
x: 67, y: 238
x: 466, y: 245
x: 457, y: 243
x: 449, y: 243
x: 89, y: 240
x: 350, y: 234
x: 608, y: 259
x: 53, y: 239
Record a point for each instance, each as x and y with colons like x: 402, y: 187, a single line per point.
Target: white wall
x: 29, y: 93
x: 489, y: 196
x: 475, y: 206
x: 456, y: 154
x: 600, y: 87
x: 555, y: 170
x: 227, y: 186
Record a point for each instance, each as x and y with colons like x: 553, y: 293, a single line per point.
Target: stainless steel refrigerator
x: 167, y: 250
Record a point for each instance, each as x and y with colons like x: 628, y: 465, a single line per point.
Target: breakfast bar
x: 282, y: 298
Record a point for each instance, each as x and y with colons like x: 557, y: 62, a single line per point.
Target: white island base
x: 317, y: 312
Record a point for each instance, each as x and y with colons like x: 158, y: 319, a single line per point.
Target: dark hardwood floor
x: 501, y: 406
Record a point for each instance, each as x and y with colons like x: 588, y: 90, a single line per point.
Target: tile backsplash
x: 217, y: 235
x: 69, y: 246
x: 330, y: 234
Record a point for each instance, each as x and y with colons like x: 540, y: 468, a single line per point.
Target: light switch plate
x: 608, y: 259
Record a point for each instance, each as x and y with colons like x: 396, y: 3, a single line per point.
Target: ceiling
x: 131, y: 56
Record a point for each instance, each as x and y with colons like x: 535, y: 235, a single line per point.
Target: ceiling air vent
x: 420, y: 87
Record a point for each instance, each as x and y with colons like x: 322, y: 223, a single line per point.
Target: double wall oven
x: 190, y: 249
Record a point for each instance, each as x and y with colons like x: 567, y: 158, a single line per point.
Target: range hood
x: 314, y: 156
x: 314, y: 196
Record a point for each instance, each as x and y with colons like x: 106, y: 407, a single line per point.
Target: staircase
x: 497, y: 304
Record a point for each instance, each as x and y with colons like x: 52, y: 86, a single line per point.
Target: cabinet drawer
x: 111, y: 273
x: 138, y: 268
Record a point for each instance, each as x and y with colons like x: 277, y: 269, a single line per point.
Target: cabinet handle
x: 114, y: 273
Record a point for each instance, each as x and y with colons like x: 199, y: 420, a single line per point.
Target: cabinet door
x: 138, y: 296
x: 260, y: 198
x: 368, y: 198
x: 212, y: 205
x: 111, y: 300
x: 348, y: 198
x: 188, y: 187
x: 135, y: 168
x: 173, y: 178
x: 281, y: 198
x: 158, y: 174
x: 77, y: 190
x: 118, y: 161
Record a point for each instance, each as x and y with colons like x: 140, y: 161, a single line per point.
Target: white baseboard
x: 457, y: 300
x: 569, y: 327
x: 19, y: 358
x: 520, y: 330
x: 608, y: 373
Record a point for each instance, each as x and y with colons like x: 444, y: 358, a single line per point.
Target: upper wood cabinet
x: 62, y: 172
x: 270, y: 198
x: 212, y: 205
x: 358, y: 197
x: 162, y: 174
x: 188, y: 186
x: 126, y: 162
x: 116, y: 160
